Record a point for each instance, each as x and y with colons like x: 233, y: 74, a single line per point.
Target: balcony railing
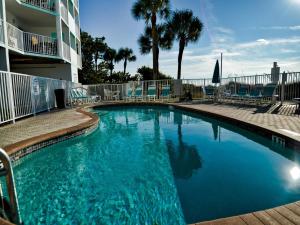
x: 66, y: 51
x: 1, y: 31
x: 38, y: 44
x: 15, y: 37
x: 77, y: 30
x: 31, y: 43
x: 64, y: 12
x: 43, y: 4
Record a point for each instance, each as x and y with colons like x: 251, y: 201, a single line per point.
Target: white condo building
x: 40, y: 37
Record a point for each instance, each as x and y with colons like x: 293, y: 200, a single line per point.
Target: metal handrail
x: 10, y: 183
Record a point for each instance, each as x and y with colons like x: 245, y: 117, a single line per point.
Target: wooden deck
x: 282, y: 215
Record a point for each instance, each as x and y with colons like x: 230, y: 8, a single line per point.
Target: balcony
x: 76, y: 3
x: 48, y: 5
x: 66, y: 51
x: 26, y: 42
x: 1, y: 31
x: 64, y: 12
x: 79, y: 61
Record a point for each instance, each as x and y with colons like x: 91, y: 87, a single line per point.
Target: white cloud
x: 293, y: 28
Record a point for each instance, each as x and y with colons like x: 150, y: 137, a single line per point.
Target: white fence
x: 195, y: 87
x: 1, y: 31
x: 31, y: 43
x: 22, y: 95
x: 43, y: 4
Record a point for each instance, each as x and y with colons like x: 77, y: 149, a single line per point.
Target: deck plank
x: 250, y: 219
x: 281, y: 219
x: 294, y: 208
x: 288, y: 214
x: 227, y: 221
x: 266, y: 218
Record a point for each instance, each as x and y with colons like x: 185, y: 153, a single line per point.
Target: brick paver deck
x: 284, y: 124
x: 39, y: 125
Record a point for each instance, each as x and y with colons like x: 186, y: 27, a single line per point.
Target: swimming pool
x: 153, y: 165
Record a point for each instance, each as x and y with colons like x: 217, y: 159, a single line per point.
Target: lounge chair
x: 269, y: 92
x: 151, y: 93
x: 138, y: 94
x: 165, y: 93
x: 209, y: 92
x: 130, y: 94
x: 79, y: 95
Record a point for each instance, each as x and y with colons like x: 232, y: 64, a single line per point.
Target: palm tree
x: 110, y: 57
x: 127, y: 55
x: 150, y: 11
x: 99, y: 48
x: 186, y: 28
x: 165, y: 41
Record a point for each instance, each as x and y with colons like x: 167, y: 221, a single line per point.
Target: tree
x: 165, y: 40
x: 99, y: 48
x: 147, y: 74
x: 186, y: 28
x: 110, y: 57
x: 127, y: 55
x: 150, y: 11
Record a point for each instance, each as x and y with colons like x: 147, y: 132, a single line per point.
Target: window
x: 71, y: 8
x: 73, y: 41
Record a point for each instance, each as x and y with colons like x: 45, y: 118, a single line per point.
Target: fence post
x: 11, y: 97
x: 283, y: 80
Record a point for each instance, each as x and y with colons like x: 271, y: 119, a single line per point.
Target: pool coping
x: 28, y: 146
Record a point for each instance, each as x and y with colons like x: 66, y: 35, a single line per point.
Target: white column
x: 59, y: 29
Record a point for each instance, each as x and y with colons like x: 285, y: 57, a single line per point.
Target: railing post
x: 283, y: 80
x: 11, y: 97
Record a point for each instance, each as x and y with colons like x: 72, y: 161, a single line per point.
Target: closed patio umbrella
x: 216, y: 76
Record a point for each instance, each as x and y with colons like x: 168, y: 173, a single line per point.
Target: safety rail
x: 66, y: 51
x: 39, y: 44
x: 1, y: 31
x: 30, y: 42
x: 64, y: 12
x: 23, y: 95
x: 48, y: 5
x: 77, y: 30
x: 195, y: 87
x: 79, y: 61
x: 7, y: 171
x: 76, y: 3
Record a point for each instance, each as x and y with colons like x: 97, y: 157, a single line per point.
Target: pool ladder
x: 7, y: 172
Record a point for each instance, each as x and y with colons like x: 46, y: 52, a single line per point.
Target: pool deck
x: 283, y: 215
x: 45, y: 126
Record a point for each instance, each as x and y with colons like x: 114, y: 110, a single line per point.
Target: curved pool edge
x: 268, y: 132
x: 28, y: 146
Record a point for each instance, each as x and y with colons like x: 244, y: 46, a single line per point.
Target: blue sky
x: 251, y: 34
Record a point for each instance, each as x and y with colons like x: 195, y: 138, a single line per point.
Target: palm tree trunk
x: 154, y: 47
x: 157, y: 64
x: 125, y: 65
x: 181, y: 49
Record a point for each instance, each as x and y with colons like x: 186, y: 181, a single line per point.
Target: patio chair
x: 269, y: 92
x: 242, y: 94
x: 79, y: 95
x: 151, y: 93
x: 111, y: 95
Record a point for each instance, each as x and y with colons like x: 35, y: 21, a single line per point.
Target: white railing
x: 66, y: 51
x: 15, y: 37
x: 39, y: 44
x: 1, y: 31
x: 43, y: 4
x: 64, y: 12
x: 31, y: 43
x: 179, y: 88
x: 28, y: 95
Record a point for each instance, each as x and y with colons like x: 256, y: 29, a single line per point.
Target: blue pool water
x: 155, y: 166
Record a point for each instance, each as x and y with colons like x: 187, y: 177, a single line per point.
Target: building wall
x: 55, y: 71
